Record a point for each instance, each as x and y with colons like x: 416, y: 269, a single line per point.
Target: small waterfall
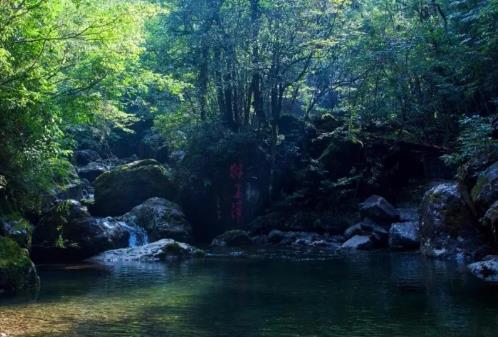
x: 138, y: 235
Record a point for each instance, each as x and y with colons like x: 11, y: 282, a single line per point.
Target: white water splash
x: 138, y: 235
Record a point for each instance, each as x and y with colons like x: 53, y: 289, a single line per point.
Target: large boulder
x: 161, y: 219
x: 68, y: 232
x: 17, y: 271
x: 379, y: 209
x: 157, y: 251
x: 447, y: 227
x: 485, y: 192
x: 126, y: 186
x: 233, y: 238
x: 227, y: 180
x: 490, y: 220
x: 404, y: 236
x: 486, y: 270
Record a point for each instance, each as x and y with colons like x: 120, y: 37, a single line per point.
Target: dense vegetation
x: 421, y: 71
x: 287, y: 110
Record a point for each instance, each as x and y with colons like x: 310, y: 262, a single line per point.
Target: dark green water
x: 376, y: 294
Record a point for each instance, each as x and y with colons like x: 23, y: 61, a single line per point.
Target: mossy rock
x: 17, y: 228
x: 232, y: 238
x: 17, y: 271
x: 161, y: 218
x: 119, y: 190
x: 485, y: 192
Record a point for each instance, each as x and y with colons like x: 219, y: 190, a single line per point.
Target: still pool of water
x: 363, y: 294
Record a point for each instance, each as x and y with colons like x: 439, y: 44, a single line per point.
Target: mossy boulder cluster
x: 126, y: 186
x: 17, y: 271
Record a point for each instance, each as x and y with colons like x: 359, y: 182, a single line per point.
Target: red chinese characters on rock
x: 236, y: 175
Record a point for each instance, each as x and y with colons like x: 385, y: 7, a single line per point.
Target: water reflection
x: 363, y: 294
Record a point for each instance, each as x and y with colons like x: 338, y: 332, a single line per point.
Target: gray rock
x: 379, y: 210
x: 486, y: 270
x: 404, y: 235
x: 69, y: 231
x: 485, y: 192
x: 408, y: 214
x: 161, y: 218
x: 17, y: 271
x: 84, y: 157
x: 359, y: 242
x: 233, y: 238
x: 367, y: 227
x: 276, y: 236
x: 79, y: 189
x: 16, y: 228
x: 490, y: 220
x: 126, y: 186
x: 447, y: 227
x: 157, y: 251
x: 92, y: 171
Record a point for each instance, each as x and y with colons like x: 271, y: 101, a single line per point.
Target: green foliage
x: 62, y: 63
x: 11, y: 255
x: 475, y: 140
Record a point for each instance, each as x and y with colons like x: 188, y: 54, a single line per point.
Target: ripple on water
x: 375, y: 294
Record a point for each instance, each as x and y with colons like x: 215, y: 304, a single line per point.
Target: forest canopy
x: 417, y: 70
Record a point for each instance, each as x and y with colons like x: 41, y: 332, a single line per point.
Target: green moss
x: 16, y: 269
x: 11, y: 254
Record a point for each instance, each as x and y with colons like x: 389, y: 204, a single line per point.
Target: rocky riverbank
x: 125, y: 208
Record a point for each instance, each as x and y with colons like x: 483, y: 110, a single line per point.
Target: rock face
x: 485, y: 192
x: 17, y: 272
x: 92, y: 171
x: 486, y: 270
x: 69, y: 232
x: 233, y: 238
x: 83, y: 157
x: 404, y: 236
x: 161, y: 219
x: 157, y: 251
x: 126, y: 186
x: 229, y: 182
x: 379, y: 209
x: 359, y: 242
x: 490, y: 220
x: 18, y: 229
x: 447, y: 227
x: 77, y: 190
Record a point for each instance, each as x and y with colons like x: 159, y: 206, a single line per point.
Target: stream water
x: 345, y: 295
